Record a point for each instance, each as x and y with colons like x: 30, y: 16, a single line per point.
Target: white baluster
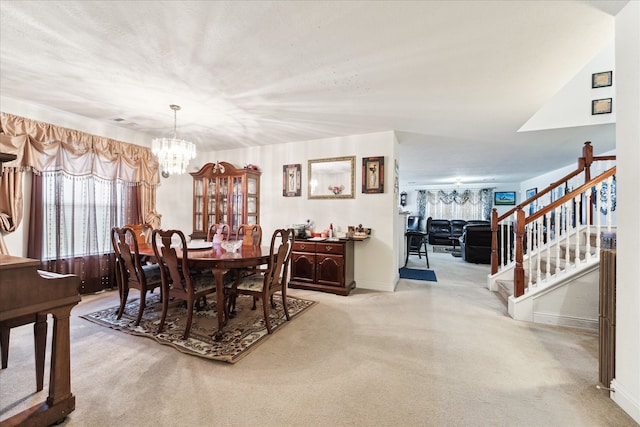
x: 567, y: 235
x: 576, y: 257
x: 609, y: 202
x: 558, y: 225
x: 529, y: 246
x: 588, y: 227
x: 548, y: 250
x: 539, y: 237
x: 598, y: 216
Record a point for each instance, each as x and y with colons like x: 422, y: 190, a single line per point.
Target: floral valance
x: 42, y: 147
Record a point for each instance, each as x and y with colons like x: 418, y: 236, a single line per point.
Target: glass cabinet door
x: 211, y: 200
x: 237, y: 207
x: 223, y: 202
x: 198, y: 205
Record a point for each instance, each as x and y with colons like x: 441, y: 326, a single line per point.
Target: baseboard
x: 624, y: 400
x: 568, y: 321
x: 377, y: 286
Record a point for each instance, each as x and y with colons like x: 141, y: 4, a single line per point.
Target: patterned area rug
x: 242, y: 333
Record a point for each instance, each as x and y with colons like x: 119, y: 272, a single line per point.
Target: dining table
x: 213, y: 256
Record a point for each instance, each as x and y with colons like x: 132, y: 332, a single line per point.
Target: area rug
x: 416, y: 274
x: 241, y: 334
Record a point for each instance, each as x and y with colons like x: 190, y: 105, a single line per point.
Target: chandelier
x: 173, y: 154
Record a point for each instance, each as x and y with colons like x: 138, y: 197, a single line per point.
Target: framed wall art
x: 601, y: 106
x: 530, y: 193
x: 504, y: 198
x: 373, y: 175
x: 603, y: 79
x: 291, y: 180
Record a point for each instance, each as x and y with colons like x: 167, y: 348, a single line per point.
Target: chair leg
x: 143, y: 303
x: 285, y: 306
x: 426, y: 252
x: 265, y: 308
x: 165, y: 308
x: 187, y: 328
x: 123, y: 300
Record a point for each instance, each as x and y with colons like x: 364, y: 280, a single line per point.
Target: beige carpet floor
x: 439, y: 353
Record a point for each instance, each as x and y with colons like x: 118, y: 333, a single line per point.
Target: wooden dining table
x: 216, y: 258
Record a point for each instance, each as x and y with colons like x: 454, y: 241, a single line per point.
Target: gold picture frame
x: 332, y: 178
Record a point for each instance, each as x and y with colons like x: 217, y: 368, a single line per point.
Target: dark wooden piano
x: 28, y: 295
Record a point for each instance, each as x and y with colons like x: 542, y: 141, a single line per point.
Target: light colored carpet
x: 430, y: 354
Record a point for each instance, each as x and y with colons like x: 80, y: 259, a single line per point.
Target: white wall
x: 627, y: 377
x: 376, y: 262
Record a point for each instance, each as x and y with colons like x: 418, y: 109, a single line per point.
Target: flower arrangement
x: 336, y: 190
x: 251, y: 167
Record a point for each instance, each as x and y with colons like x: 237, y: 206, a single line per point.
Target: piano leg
x: 40, y: 344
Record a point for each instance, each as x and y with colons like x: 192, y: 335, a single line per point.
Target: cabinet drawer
x: 304, y: 246
x: 330, y: 248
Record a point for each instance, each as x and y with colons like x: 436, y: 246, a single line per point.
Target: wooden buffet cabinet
x: 223, y: 194
x: 323, y: 266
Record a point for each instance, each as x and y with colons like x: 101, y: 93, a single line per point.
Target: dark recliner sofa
x: 475, y: 243
x: 441, y: 230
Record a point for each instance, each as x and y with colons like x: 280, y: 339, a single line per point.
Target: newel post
x: 518, y: 272
x: 494, y: 241
x: 587, y: 154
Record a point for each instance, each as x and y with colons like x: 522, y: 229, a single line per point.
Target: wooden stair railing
x: 522, y: 221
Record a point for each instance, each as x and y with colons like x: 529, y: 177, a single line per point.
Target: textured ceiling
x: 455, y: 79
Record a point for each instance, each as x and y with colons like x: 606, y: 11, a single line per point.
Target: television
x: 504, y: 198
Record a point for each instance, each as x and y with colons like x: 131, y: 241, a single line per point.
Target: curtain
x: 83, y: 185
x: 465, y: 204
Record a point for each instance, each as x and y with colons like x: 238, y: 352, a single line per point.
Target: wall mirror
x: 333, y: 178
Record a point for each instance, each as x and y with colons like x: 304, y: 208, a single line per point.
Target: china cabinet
x: 323, y: 266
x: 223, y: 194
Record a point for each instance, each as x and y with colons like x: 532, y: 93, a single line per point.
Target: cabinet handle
x: 329, y: 248
x: 303, y: 246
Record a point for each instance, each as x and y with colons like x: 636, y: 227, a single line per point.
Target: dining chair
x: 249, y: 234
x: 131, y: 271
x: 141, y: 231
x: 271, y: 280
x: 178, y: 281
x: 218, y: 233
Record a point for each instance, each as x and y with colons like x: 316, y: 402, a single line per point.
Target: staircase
x: 545, y: 265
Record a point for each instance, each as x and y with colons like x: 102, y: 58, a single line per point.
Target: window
x: 78, y: 214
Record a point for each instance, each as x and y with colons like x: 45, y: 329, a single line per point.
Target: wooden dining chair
x: 270, y: 281
x: 141, y: 231
x: 249, y: 234
x: 218, y: 233
x: 131, y: 271
x: 177, y: 280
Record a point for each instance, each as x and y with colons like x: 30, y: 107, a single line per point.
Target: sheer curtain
x: 456, y: 204
x: 82, y: 186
